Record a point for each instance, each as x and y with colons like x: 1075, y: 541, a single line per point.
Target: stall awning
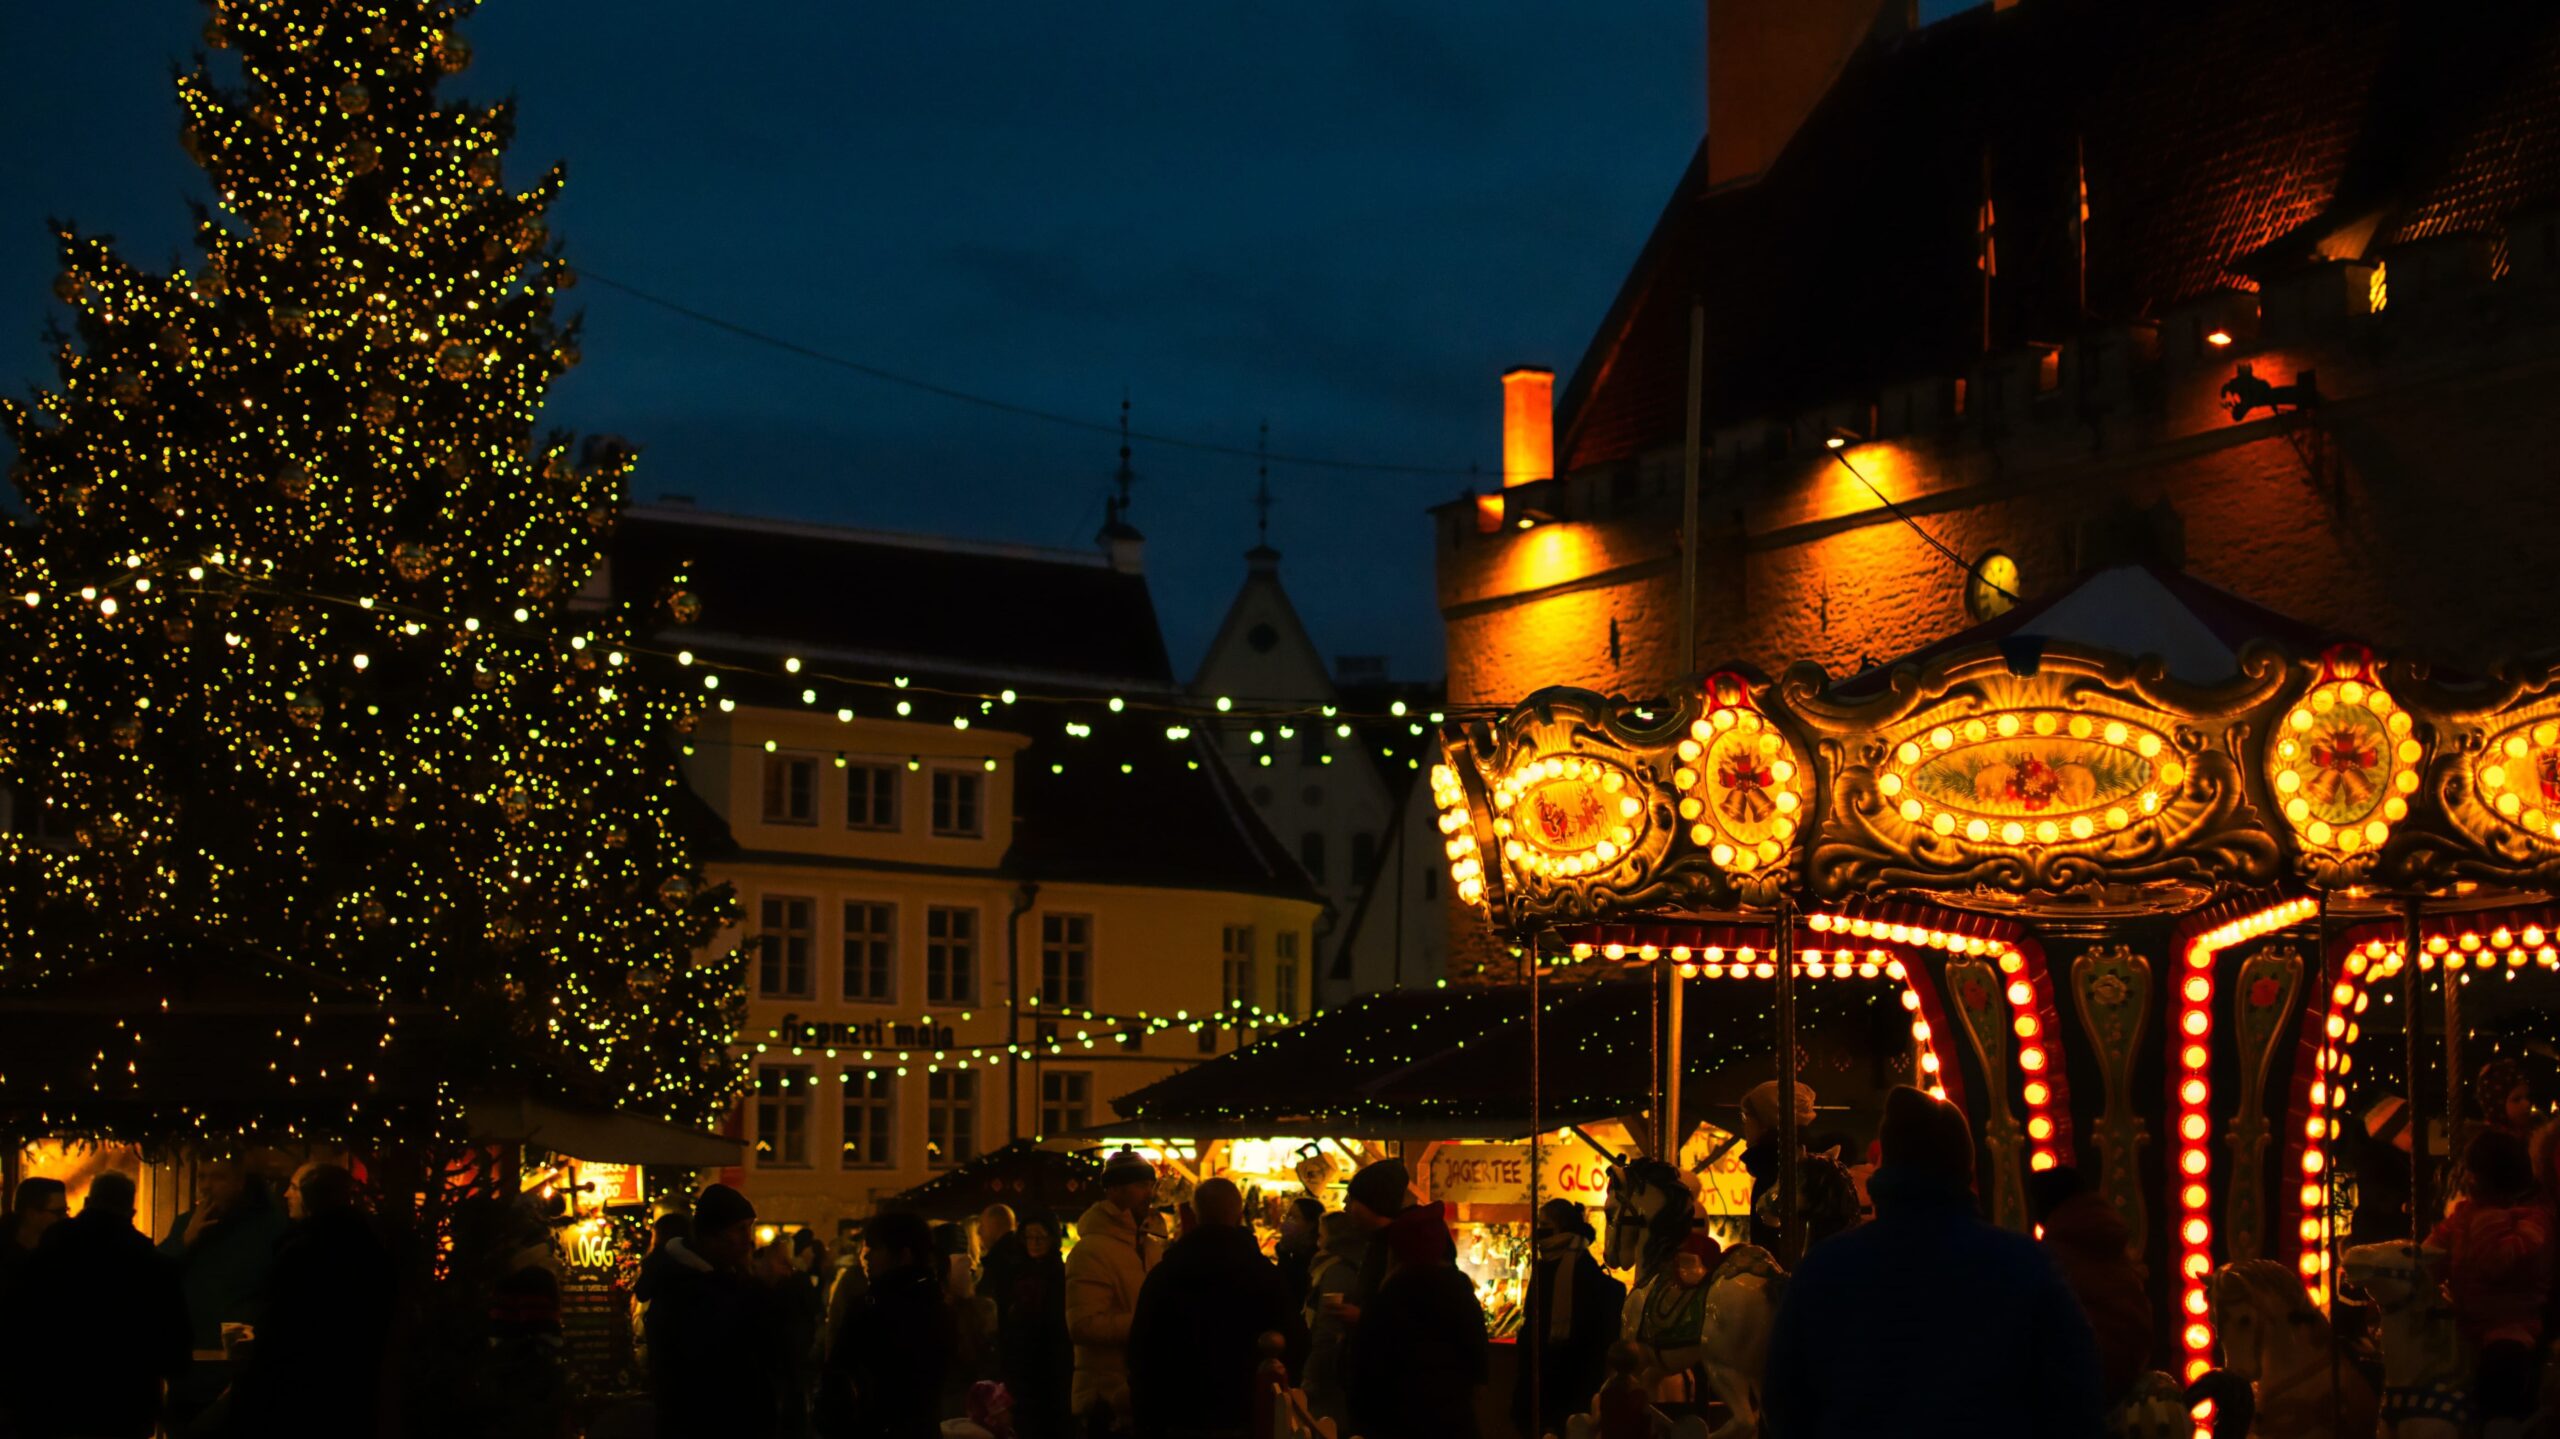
x: 1021, y: 1175
x: 604, y: 1136
x: 1459, y: 1068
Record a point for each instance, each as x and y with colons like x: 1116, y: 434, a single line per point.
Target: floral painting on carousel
x: 1743, y: 788
x: 2520, y: 776
x: 2343, y: 765
x: 2042, y: 776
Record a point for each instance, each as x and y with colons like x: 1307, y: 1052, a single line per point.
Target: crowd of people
x: 1140, y: 1331
x: 268, y: 1309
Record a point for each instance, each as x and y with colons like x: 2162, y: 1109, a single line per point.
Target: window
x: 1284, y: 971
x: 950, y: 1117
x: 1066, y: 959
x: 870, y: 1106
x: 950, y: 956
x: 870, y: 796
x: 790, y: 789
x: 1236, y: 963
x: 790, y: 935
x: 870, y: 952
x: 1066, y: 1101
x: 1311, y: 854
x: 1364, y: 856
x: 782, y: 1114
x: 957, y: 798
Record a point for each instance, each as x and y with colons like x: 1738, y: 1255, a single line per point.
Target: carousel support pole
x: 1533, y: 1341
x: 1789, y: 1139
x: 2453, y: 1064
x: 2410, y: 948
x: 1667, y: 1143
x: 1664, y: 973
x: 1688, y: 657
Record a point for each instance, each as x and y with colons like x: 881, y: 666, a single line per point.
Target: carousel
x: 2197, y: 915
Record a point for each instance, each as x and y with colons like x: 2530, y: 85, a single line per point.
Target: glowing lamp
x: 2219, y: 339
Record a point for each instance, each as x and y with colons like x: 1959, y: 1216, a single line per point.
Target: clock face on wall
x: 1993, y: 586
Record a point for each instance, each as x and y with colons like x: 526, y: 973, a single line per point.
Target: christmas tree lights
x: 444, y: 791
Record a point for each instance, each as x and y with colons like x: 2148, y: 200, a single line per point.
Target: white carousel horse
x: 1650, y: 1210
x: 2273, y: 1337
x: 1742, y: 1307
x: 2424, y: 1361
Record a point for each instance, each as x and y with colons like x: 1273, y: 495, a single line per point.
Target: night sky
x: 1346, y: 220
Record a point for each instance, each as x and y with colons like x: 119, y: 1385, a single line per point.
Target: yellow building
x: 932, y: 908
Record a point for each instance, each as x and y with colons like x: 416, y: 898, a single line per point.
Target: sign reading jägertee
x: 1499, y: 1174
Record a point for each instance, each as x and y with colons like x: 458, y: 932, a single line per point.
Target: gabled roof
x: 923, y: 604
x: 2220, y: 139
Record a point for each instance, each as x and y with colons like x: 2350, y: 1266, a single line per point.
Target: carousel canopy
x: 2139, y: 743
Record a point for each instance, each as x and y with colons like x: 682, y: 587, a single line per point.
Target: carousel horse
x: 2275, y: 1339
x: 1742, y: 1307
x: 2424, y: 1361
x: 1650, y: 1211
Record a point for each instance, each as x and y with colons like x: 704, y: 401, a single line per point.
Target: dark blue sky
x: 1345, y: 219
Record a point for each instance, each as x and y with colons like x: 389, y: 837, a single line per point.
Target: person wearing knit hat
x: 1418, y: 1355
x: 1376, y: 1195
x: 715, y: 1333
x: 1569, y: 1310
x: 1962, y: 1327
x: 1118, y: 1243
x: 1826, y: 1198
x: 1379, y: 1188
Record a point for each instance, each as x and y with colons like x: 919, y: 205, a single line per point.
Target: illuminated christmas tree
x: 295, y: 670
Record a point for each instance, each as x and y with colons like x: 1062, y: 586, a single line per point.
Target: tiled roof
x: 927, y: 604
x: 2218, y: 140
x: 976, y: 617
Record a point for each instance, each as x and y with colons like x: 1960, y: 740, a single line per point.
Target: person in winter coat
x: 715, y: 1342
x: 1962, y: 1328
x: 1572, y: 1308
x: 1118, y: 1241
x: 1194, y: 1343
x: 223, y: 1248
x: 1418, y: 1355
x: 885, y: 1375
x: 97, y: 1325
x: 2498, y: 1259
x: 1300, y: 1224
x: 1037, y: 1362
x: 2089, y: 1242
x: 1000, y: 1256
x: 1342, y: 1254
x: 325, y: 1338
x: 1826, y: 1198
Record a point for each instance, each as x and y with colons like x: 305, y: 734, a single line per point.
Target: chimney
x: 1528, y: 426
x: 1769, y: 63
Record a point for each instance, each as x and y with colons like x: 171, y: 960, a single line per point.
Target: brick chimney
x: 1769, y: 63
x: 1528, y: 426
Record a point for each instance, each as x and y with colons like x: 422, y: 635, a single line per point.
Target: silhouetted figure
x: 1417, y: 1356
x: 224, y: 1248
x: 1034, y: 1356
x: 1569, y: 1319
x: 321, y: 1347
x: 1963, y: 1327
x: 96, y: 1325
x: 715, y: 1341
x: 885, y: 1375
x: 1194, y: 1341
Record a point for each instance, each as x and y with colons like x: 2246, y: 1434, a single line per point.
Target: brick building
x: 2023, y: 266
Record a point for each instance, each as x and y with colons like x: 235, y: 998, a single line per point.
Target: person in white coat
x: 1118, y: 1242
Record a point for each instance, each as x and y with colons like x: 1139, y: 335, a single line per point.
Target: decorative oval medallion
x: 2519, y: 777
x: 2031, y: 776
x: 1743, y: 787
x: 2344, y: 762
x: 1568, y: 815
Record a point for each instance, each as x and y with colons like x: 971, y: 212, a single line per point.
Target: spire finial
x: 1262, y: 487
x: 1126, y: 474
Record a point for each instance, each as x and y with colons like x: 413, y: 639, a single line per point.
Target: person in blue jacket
x: 1930, y: 1321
